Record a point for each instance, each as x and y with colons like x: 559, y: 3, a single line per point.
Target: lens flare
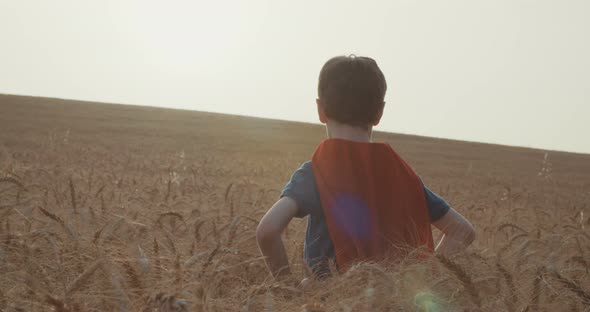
x: 427, y: 302
x: 352, y: 216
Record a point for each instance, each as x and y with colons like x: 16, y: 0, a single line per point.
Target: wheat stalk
x: 170, y: 242
x: 536, y: 295
x: 572, y: 287
x: 157, y: 261
x: 463, y: 277
x: 12, y: 180
x: 73, y: 196
x: 83, y: 278
x: 178, y: 273
x: 209, y: 260
x: 115, y: 284
x: 512, y: 299
x: 233, y: 227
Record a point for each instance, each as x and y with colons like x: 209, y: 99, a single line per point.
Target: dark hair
x: 352, y: 89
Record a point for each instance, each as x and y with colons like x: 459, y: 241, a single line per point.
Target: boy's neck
x: 338, y: 130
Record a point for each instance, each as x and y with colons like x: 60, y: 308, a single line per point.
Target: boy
x: 363, y: 201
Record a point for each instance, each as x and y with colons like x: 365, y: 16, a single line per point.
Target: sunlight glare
x: 187, y: 33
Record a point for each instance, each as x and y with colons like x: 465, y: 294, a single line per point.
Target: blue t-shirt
x: 318, y: 246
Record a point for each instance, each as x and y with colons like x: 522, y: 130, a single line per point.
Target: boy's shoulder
x: 303, y: 174
x: 306, y: 167
x: 302, y: 188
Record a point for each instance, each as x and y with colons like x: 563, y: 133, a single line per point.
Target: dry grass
x: 117, y: 208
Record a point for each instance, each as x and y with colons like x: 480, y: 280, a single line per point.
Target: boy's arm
x: 458, y: 233
x: 268, y: 235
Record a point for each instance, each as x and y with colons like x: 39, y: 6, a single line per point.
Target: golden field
x: 125, y: 208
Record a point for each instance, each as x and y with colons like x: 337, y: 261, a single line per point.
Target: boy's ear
x: 321, y: 111
x: 379, y: 115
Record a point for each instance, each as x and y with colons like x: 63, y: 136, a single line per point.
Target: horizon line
x: 541, y: 149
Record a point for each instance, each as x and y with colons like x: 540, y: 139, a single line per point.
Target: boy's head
x: 351, y: 91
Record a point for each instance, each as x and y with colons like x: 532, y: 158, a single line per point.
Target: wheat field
x: 124, y: 208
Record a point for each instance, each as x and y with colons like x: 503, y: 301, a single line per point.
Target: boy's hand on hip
x: 268, y: 235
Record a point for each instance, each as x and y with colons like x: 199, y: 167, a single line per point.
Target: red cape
x: 373, y: 201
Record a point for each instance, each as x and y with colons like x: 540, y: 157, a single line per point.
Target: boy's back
x: 373, y: 202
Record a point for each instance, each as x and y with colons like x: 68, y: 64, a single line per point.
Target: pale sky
x: 514, y: 72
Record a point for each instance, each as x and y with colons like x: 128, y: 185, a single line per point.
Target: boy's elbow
x: 265, y: 233
x: 470, y: 234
